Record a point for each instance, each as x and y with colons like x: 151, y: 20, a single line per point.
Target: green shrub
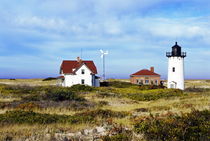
x: 120, y: 84
x: 192, y: 89
x: 208, y: 81
x: 193, y: 126
x: 29, y: 117
x: 149, y: 87
x: 15, y: 89
x: 118, y: 137
x: 155, y: 94
x: 118, y: 133
x: 49, y: 79
x: 53, y: 93
x: 103, y: 114
x: 81, y: 88
x: 32, y: 97
x: 60, y: 94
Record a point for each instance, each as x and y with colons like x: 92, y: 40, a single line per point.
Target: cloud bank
x: 35, y: 35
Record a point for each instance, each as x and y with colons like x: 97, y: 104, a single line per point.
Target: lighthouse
x: 176, y: 67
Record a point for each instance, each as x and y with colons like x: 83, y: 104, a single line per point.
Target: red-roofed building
x: 145, y: 77
x: 78, y: 72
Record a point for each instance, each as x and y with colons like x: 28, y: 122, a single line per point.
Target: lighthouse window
x: 173, y: 69
x: 82, y: 81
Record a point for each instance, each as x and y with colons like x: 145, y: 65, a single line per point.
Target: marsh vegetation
x: 30, y: 111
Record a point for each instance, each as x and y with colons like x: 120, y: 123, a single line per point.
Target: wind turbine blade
x: 102, y: 56
x: 101, y: 51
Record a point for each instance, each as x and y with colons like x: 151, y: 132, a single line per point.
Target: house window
x: 146, y: 81
x: 83, y: 71
x: 83, y: 81
x: 156, y: 82
x: 141, y: 82
x: 137, y: 81
x: 173, y: 69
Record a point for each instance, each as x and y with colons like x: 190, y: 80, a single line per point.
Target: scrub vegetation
x: 133, y: 112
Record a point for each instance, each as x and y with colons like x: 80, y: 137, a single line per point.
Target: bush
x: 118, y: 137
x: 17, y: 89
x: 46, y: 92
x: 12, y: 79
x: 53, y: 93
x: 28, y: 106
x: 149, y: 87
x: 120, y: 84
x: 118, y: 133
x: 208, y: 81
x: 29, y: 117
x: 142, y: 110
x: 49, y: 79
x: 60, y: 94
x: 192, y: 89
x: 103, y: 114
x: 192, y: 126
x: 81, y: 88
x: 155, y: 94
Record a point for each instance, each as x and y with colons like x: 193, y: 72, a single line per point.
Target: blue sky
x: 36, y: 35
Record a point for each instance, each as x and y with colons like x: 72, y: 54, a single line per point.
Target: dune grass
x: 116, y: 98
x: 28, y: 82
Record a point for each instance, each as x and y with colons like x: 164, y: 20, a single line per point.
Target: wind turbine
x: 103, y: 53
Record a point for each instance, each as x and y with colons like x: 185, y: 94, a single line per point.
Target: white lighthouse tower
x: 176, y: 67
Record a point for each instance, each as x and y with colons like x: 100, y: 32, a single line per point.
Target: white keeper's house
x: 78, y: 72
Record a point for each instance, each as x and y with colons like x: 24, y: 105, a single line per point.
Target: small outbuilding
x: 145, y: 77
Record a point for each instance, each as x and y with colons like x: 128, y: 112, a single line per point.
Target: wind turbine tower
x: 103, y: 53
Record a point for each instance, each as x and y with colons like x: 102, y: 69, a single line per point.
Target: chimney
x: 79, y: 60
x: 152, y: 69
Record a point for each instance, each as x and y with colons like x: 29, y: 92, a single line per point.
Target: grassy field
x: 120, y: 105
x: 28, y: 82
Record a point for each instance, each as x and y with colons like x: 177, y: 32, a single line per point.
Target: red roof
x: 67, y: 66
x: 145, y: 72
x: 60, y: 77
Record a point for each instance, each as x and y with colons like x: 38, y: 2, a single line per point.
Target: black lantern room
x: 176, y: 52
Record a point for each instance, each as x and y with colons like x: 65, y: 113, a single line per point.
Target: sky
x: 36, y: 35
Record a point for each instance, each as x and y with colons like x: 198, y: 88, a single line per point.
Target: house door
x: 172, y: 86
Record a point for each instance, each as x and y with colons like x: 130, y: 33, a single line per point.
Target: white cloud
x: 60, y: 29
x: 44, y: 23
